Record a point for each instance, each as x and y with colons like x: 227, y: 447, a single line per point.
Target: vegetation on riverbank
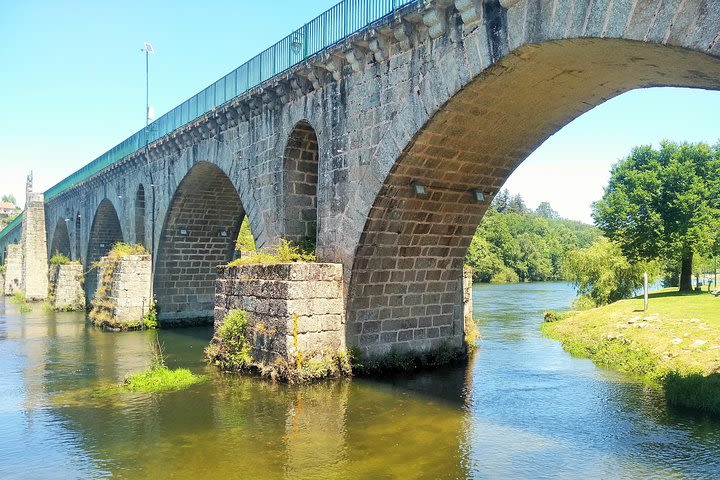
x: 20, y: 299
x: 674, y: 345
x: 516, y: 244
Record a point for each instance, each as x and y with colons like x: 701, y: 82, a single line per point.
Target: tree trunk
x: 686, y: 270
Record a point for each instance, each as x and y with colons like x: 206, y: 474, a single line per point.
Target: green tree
x: 546, y: 211
x: 501, y: 200
x: 603, y: 274
x: 664, y: 204
x: 9, y: 198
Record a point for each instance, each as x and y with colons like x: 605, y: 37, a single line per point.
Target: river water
x: 522, y: 408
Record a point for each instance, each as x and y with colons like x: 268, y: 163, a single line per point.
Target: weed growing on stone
x: 25, y: 308
x: 284, y: 252
x: 60, y: 259
x: 231, y: 350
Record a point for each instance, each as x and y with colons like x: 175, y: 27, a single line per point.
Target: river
x: 522, y: 408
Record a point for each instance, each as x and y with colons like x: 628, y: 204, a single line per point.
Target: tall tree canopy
x: 664, y: 204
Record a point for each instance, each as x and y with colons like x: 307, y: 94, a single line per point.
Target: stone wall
x: 467, y: 297
x: 293, y: 308
x: 34, y: 249
x: 13, y: 271
x: 122, y: 296
x: 66, y: 287
x: 2, y: 284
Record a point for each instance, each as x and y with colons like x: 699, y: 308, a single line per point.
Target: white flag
x: 148, y: 48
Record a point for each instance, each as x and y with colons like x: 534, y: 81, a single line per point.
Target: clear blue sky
x: 72, y: 85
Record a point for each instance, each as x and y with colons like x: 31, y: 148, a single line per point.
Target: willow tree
x: 664, y: 204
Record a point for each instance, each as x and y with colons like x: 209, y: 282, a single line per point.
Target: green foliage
x: 511, y: 244
x: 284, y: 252
x: 603, y: 274
x: 9, y: 197
x: 150, y: 320
x: 25, y: 308
x: 583, y: 302
x: 159, y: 378
x: 245, y: 241
x: 664, y: 203
x: 18, y: 298
x: 59, y: 259
x: 3, y: 269
x: 232, y: 350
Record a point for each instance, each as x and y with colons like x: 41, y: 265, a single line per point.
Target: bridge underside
x: 405, y: 290
x: 199, y: 234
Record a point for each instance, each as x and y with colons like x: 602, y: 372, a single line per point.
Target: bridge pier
x: 13, y: 269
x: 34, y: 247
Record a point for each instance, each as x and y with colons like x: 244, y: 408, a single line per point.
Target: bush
x: 505, y: 275
x: 583, y: 302
x: 232, y: 350
x: 59, y: 259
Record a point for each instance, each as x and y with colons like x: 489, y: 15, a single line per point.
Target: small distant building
x: 6, y: 209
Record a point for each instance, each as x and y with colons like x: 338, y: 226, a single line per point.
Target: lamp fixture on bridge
x: 478, y: 195
x: 418, y: 188
x: 223, y: 232
x: 296, y: 43
x: 183, y: 231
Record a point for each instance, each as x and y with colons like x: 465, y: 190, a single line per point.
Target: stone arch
x: 300, y: 182
x: 198, y: 234
x: 405, y: 287
x: 61, y: 239
x: 140, y: 215
x: 105, y: 232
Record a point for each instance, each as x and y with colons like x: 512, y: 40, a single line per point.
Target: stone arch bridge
x: 386, y: 146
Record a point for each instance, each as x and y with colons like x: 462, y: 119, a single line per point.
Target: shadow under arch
x: 300, y: 182
x: 61, y: 239
x: 105, y: 232
x: 140, y: 216
x: 405, y: 284
x: 198, y: 234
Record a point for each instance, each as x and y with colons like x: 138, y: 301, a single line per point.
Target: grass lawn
x: 675, y: 344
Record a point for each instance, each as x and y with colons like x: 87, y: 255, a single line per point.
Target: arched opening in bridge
x: 78, y: 251
x: 405, y: 287
x: 140, y: 215
x: 61, y: 239
x: 199, y: 233
x: 300, y: 162
x: 104, y: 233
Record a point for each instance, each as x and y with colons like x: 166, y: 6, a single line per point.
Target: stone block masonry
x: 66, y: 287
x: 13, y: 270
x: 295, y: 310
x: 467, y: 297
x: 2, y: 284
x: 34, y: 249
x: 122, y: 297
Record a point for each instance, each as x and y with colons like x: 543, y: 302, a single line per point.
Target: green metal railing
x: 328, y: 29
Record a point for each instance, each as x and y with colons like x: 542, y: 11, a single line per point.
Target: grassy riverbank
x: 675, y: 344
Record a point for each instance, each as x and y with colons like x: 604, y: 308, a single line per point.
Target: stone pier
x: 66, y: 287
x: 13, y: 270
x: 295, y: 310
x: 122, y: 297
x: 34, y: 247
